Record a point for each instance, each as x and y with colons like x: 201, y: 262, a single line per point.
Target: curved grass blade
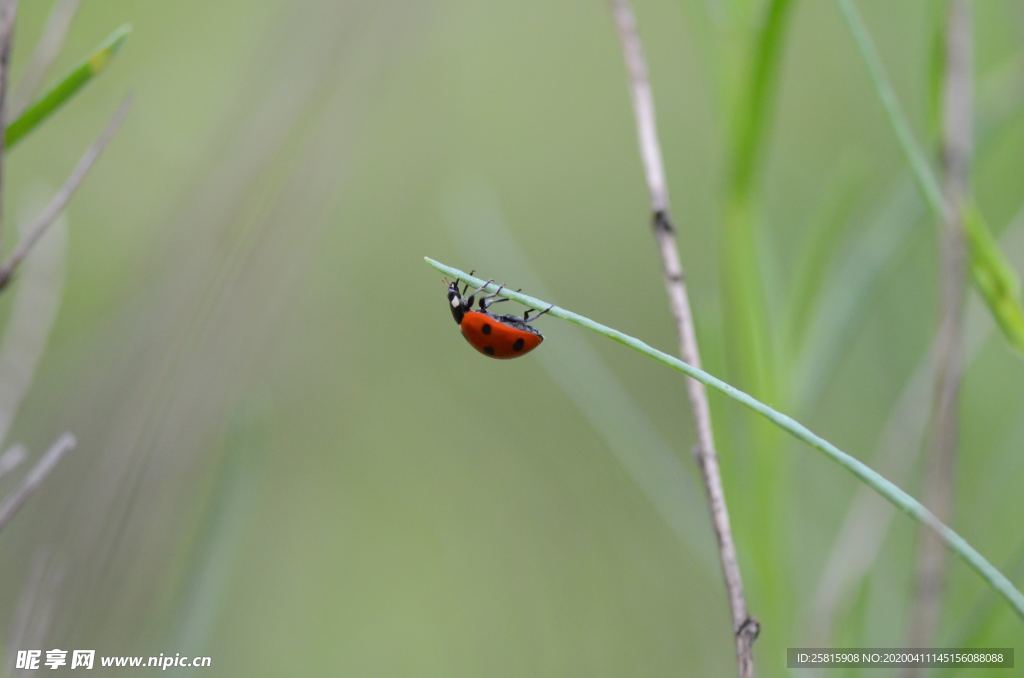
x: 890, y: 491
x: 63, y: 91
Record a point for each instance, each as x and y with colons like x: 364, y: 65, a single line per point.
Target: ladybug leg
x: 528, y: 319
x: 481, y: 287
x: 466, y: 285
x: 469, y: 300
x: 487, y: 301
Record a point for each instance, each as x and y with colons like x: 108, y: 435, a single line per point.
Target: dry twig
x: 14, y: 501
x: 745, y: 627
x: 941, y: 461
x: 8, y: 10
x: 60, y: 200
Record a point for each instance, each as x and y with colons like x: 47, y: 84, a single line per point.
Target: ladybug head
x: 456, y: 302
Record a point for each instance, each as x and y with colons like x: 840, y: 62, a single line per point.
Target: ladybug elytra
x: 496, y: 336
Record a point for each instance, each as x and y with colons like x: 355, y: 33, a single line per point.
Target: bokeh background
x: 288, y: 458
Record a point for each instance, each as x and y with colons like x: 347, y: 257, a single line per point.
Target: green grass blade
x: 922, y: 171
x: 745, y: 267
x: 754, y: 106
x: 993, y: 277
x: 828, y: 226
x: 750, y: 354
x: 899, y: 498
x: 63, y: 91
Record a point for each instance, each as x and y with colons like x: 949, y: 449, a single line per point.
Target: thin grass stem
x: 745, y: 628
x: 956, y: 123
x: 891, y: 492
x: 15, y: 500
x: 37, y: 228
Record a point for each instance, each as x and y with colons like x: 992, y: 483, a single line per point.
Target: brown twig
x: 35, y: 477
x: 949, y: 347
x: 745, y: 628
x: 8, y: 10
x: 60, y: 200
x: 46, y: 51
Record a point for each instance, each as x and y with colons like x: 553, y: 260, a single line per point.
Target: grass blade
x: 754, y: 107
x: 63, y: 91
x: 993, y: 277
x: 750, y: 331
x: 895, y: 495
x: 924, y: 177
x: 750, y: 354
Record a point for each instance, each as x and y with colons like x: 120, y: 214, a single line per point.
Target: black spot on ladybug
x: 486, y: 329
x: 489, y: 350
x: 518, y: 346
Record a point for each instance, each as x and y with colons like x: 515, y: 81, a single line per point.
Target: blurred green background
x: 288, y: 458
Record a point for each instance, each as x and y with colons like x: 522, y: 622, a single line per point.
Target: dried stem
x: 14, y: 501
x: 45, y: 53
x: 8, y: 10
x: 60, y: 200
x: 745, y: 628
x: 941, y: 460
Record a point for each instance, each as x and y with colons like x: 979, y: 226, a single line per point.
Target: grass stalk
x: 8, y: 12
x: 750, y: 351
x: 753, y: 110
x: 745, y: 628
x: 888, y: 490
x: 37, y: 228
x: 10, y: 504
x: 750, y: 354
x: 956, y: 123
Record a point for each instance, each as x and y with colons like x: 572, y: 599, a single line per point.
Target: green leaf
x: 63, y: 91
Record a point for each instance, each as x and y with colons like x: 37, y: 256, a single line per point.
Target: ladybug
x: 496, y: 336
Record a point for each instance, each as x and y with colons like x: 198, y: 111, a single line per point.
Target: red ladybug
x: 497, y: 336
